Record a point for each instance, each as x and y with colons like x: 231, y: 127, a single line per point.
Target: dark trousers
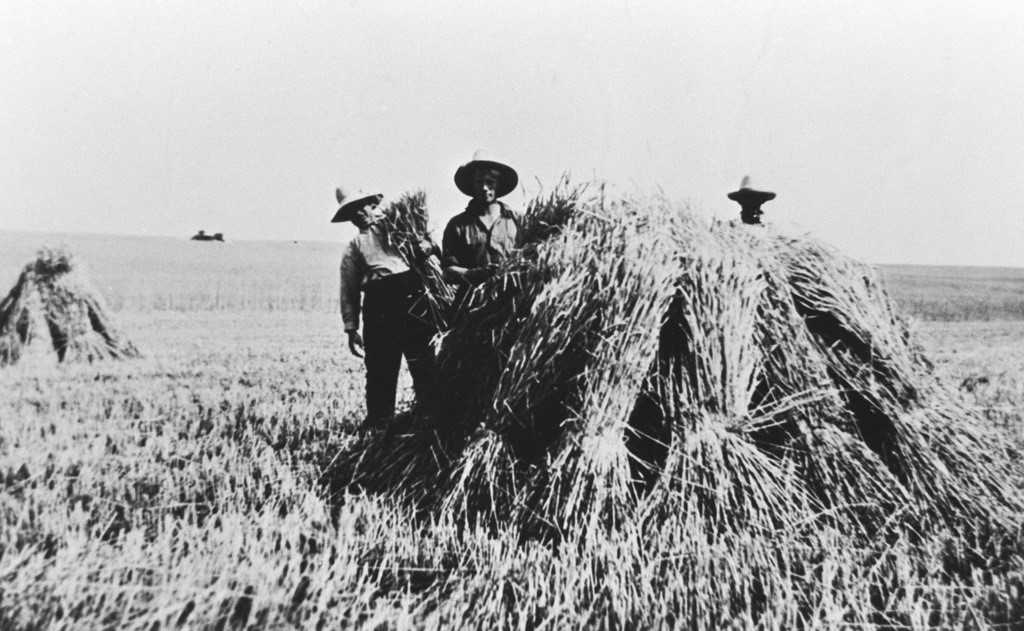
x: 390, y: 331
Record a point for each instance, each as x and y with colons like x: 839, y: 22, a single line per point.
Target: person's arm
x: 458, y: 273
x: 351, y: 285
x: 453, y: 271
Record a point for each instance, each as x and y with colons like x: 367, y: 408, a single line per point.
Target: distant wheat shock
x: 54, y: 313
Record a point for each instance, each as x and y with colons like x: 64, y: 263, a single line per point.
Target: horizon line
x: 326, y: 241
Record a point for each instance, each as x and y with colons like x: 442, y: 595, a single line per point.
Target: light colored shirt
x: 366, y: 259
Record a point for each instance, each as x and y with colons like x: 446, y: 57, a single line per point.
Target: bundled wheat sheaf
x: 54, y: 314
x: 405, y: 226
x: 637, y: 364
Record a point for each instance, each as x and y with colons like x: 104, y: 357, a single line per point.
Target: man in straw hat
x: 371, y: 267
x: 482, y: 236
x: 750, y: 199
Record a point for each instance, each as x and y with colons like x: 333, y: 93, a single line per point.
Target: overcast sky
x: 894, y: 130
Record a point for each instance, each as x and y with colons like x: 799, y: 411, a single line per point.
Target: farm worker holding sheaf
x: 370, y: 266
x: 482, y: 236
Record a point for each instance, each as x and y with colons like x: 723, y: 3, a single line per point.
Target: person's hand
x: 426, y: 247
x: 355, y: 343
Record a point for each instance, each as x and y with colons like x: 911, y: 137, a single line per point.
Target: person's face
x: 485, y: 185
x: 368, y: 215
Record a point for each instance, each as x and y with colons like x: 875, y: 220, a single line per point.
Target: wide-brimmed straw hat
x: 508, y: 179
x: 748, y: 192
x: 349, y: 205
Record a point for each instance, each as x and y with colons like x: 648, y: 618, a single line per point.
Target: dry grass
x: 638, y: 344
x: 638, y: 370
x: 53, y: 313
x: 406, y: 227
x: 191, y: 489
x: 188, y: 487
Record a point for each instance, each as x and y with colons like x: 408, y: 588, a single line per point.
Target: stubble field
x: 187, y: 489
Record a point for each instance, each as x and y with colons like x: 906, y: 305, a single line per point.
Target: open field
x: 163, y: 273
x: 957, y: 293
x: 187, y: 489
x: 984, y: 361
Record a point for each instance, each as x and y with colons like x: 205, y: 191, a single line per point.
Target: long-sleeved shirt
x: 468, y: 243
x: 366, y: 259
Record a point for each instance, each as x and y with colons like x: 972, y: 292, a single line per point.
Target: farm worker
x: 750, y: 199
x: 371, y: 267
x: 476, y: 240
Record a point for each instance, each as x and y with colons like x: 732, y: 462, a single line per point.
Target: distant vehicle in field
x: 202, y: 236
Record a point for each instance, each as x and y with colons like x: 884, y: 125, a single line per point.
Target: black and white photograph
x: 540, y: 315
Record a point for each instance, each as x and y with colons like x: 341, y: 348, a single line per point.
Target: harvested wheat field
x: 646, y: 420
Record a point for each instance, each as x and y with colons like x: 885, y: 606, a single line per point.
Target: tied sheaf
x: 634, y: 364
x: 53, y: 313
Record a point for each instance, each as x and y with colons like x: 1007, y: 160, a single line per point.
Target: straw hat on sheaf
x: 749, y: 192
x: 508, y: 179
x: 351, y: 204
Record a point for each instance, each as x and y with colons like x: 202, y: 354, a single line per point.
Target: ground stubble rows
x: 187, y: 489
